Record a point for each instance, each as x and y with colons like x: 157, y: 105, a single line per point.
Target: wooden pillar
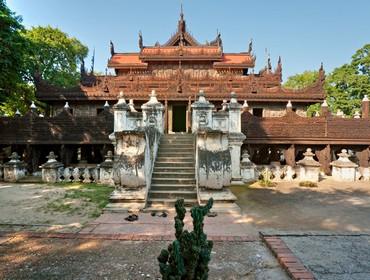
x: 289, y: 155
x: 363, y: 157
x: 166, y: 116
x: 324, y: 157
x: 169, y: 114
x: 188, y: 117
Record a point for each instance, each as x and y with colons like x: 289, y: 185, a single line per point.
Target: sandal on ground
x: 212, y: 214
x: 132, y: 217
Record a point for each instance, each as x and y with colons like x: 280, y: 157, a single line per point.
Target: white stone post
x: 202, y: 113
x: 153, y: 113
x: 236, y: 138
x: 120, y: 110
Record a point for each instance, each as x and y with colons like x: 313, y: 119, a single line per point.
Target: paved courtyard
x: 326, y: 228
x: 35, y: 258
x: 333, y: 206
x: 333, y: 257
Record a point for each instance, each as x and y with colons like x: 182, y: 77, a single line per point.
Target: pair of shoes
x: 212, y: 214
x: 163, y: 215
x: 132, y: 217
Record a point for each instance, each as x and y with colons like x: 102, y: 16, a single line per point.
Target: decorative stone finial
x: 317, y: 114
x: 324, y: 104
x: 14, y: 157
x: 357, y: 115
x: 17, y: 113
x: 109, y: 156
x: 245, y: 104
x: 132, y: 106
x: 33, y: 106
x: 202, y: 96
x: 289, y: 104
x: 153, y: 98
x: 66, y: 106
x: 51, y: 157
x: 106, y: 104
x: 365, y: 98
x: 233, y: 98
x: 41, y: 115
x: 121, y: 98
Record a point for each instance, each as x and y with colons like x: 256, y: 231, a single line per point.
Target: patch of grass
x: 308, y: 184
x: 81, y: 198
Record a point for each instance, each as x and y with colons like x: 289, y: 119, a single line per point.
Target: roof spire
x: 181, y: 25
x: 140, y: 40
x: 92, y: 63
x: 111, y: 48
x: 250, y: 47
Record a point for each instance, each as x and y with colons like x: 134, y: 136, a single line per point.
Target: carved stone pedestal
x: 343, y: 168
x: 309, y: 169
x: 14, y: 169
x: 51, y: 170
x: 247, y: 169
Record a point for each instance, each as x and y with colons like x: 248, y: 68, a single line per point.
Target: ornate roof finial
x: 269, y: 66
x: 279, y: 68
x: 92, y: 63
x: 111, y: 48
x: 250, y: 47
x: 140, y: 40
x: 181, y: 25
x: 321, y: 73
x: 82, y: 68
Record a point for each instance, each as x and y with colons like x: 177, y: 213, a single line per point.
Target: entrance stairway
x: 174, y: 173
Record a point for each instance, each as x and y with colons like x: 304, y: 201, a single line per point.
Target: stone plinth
x: 235, y: 142
x: 309, y: 168
x: 51, y: 169
x: 129, y: 165
x: 214, y: 159
x: 247, y: 168
x: 343, y: 168
x: 14, y: 169
x: 106, y: 170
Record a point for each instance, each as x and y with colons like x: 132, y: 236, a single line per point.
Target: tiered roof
x: 220, y: 73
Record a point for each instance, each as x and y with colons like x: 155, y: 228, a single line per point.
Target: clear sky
x: 304, y: 32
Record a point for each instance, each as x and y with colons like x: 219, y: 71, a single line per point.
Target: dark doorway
x: 179, y: 118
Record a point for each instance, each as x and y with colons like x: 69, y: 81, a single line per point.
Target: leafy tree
x: 349, y: 83
x: 303, y: 80
x: 12, y: 50
x: 54, y: 56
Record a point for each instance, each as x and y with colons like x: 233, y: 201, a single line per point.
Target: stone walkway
x: 333, y: 257
x: 223, y: 225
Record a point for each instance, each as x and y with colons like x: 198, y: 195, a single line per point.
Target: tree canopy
x: 54, y: 56
x: 29, y: 55
x: 13, y: 47
x: 302, y: 80
x: 346, y: 86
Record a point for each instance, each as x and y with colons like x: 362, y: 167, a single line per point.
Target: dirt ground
x: 109, y: 259
x: 332, y: 206
x: 35, y: 207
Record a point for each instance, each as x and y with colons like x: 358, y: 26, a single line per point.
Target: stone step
x: 171, y: 168
x: 177, y: 141
x: 172, y: 187
x: 174, y: 194
x: 156, y: 186
x: 174, y: 164
x: 181, y: 146
x: 173, y: 154
x: 174, y: 181
x: 169, y: 202
x: 165, y: 174
x: 174, y: 159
